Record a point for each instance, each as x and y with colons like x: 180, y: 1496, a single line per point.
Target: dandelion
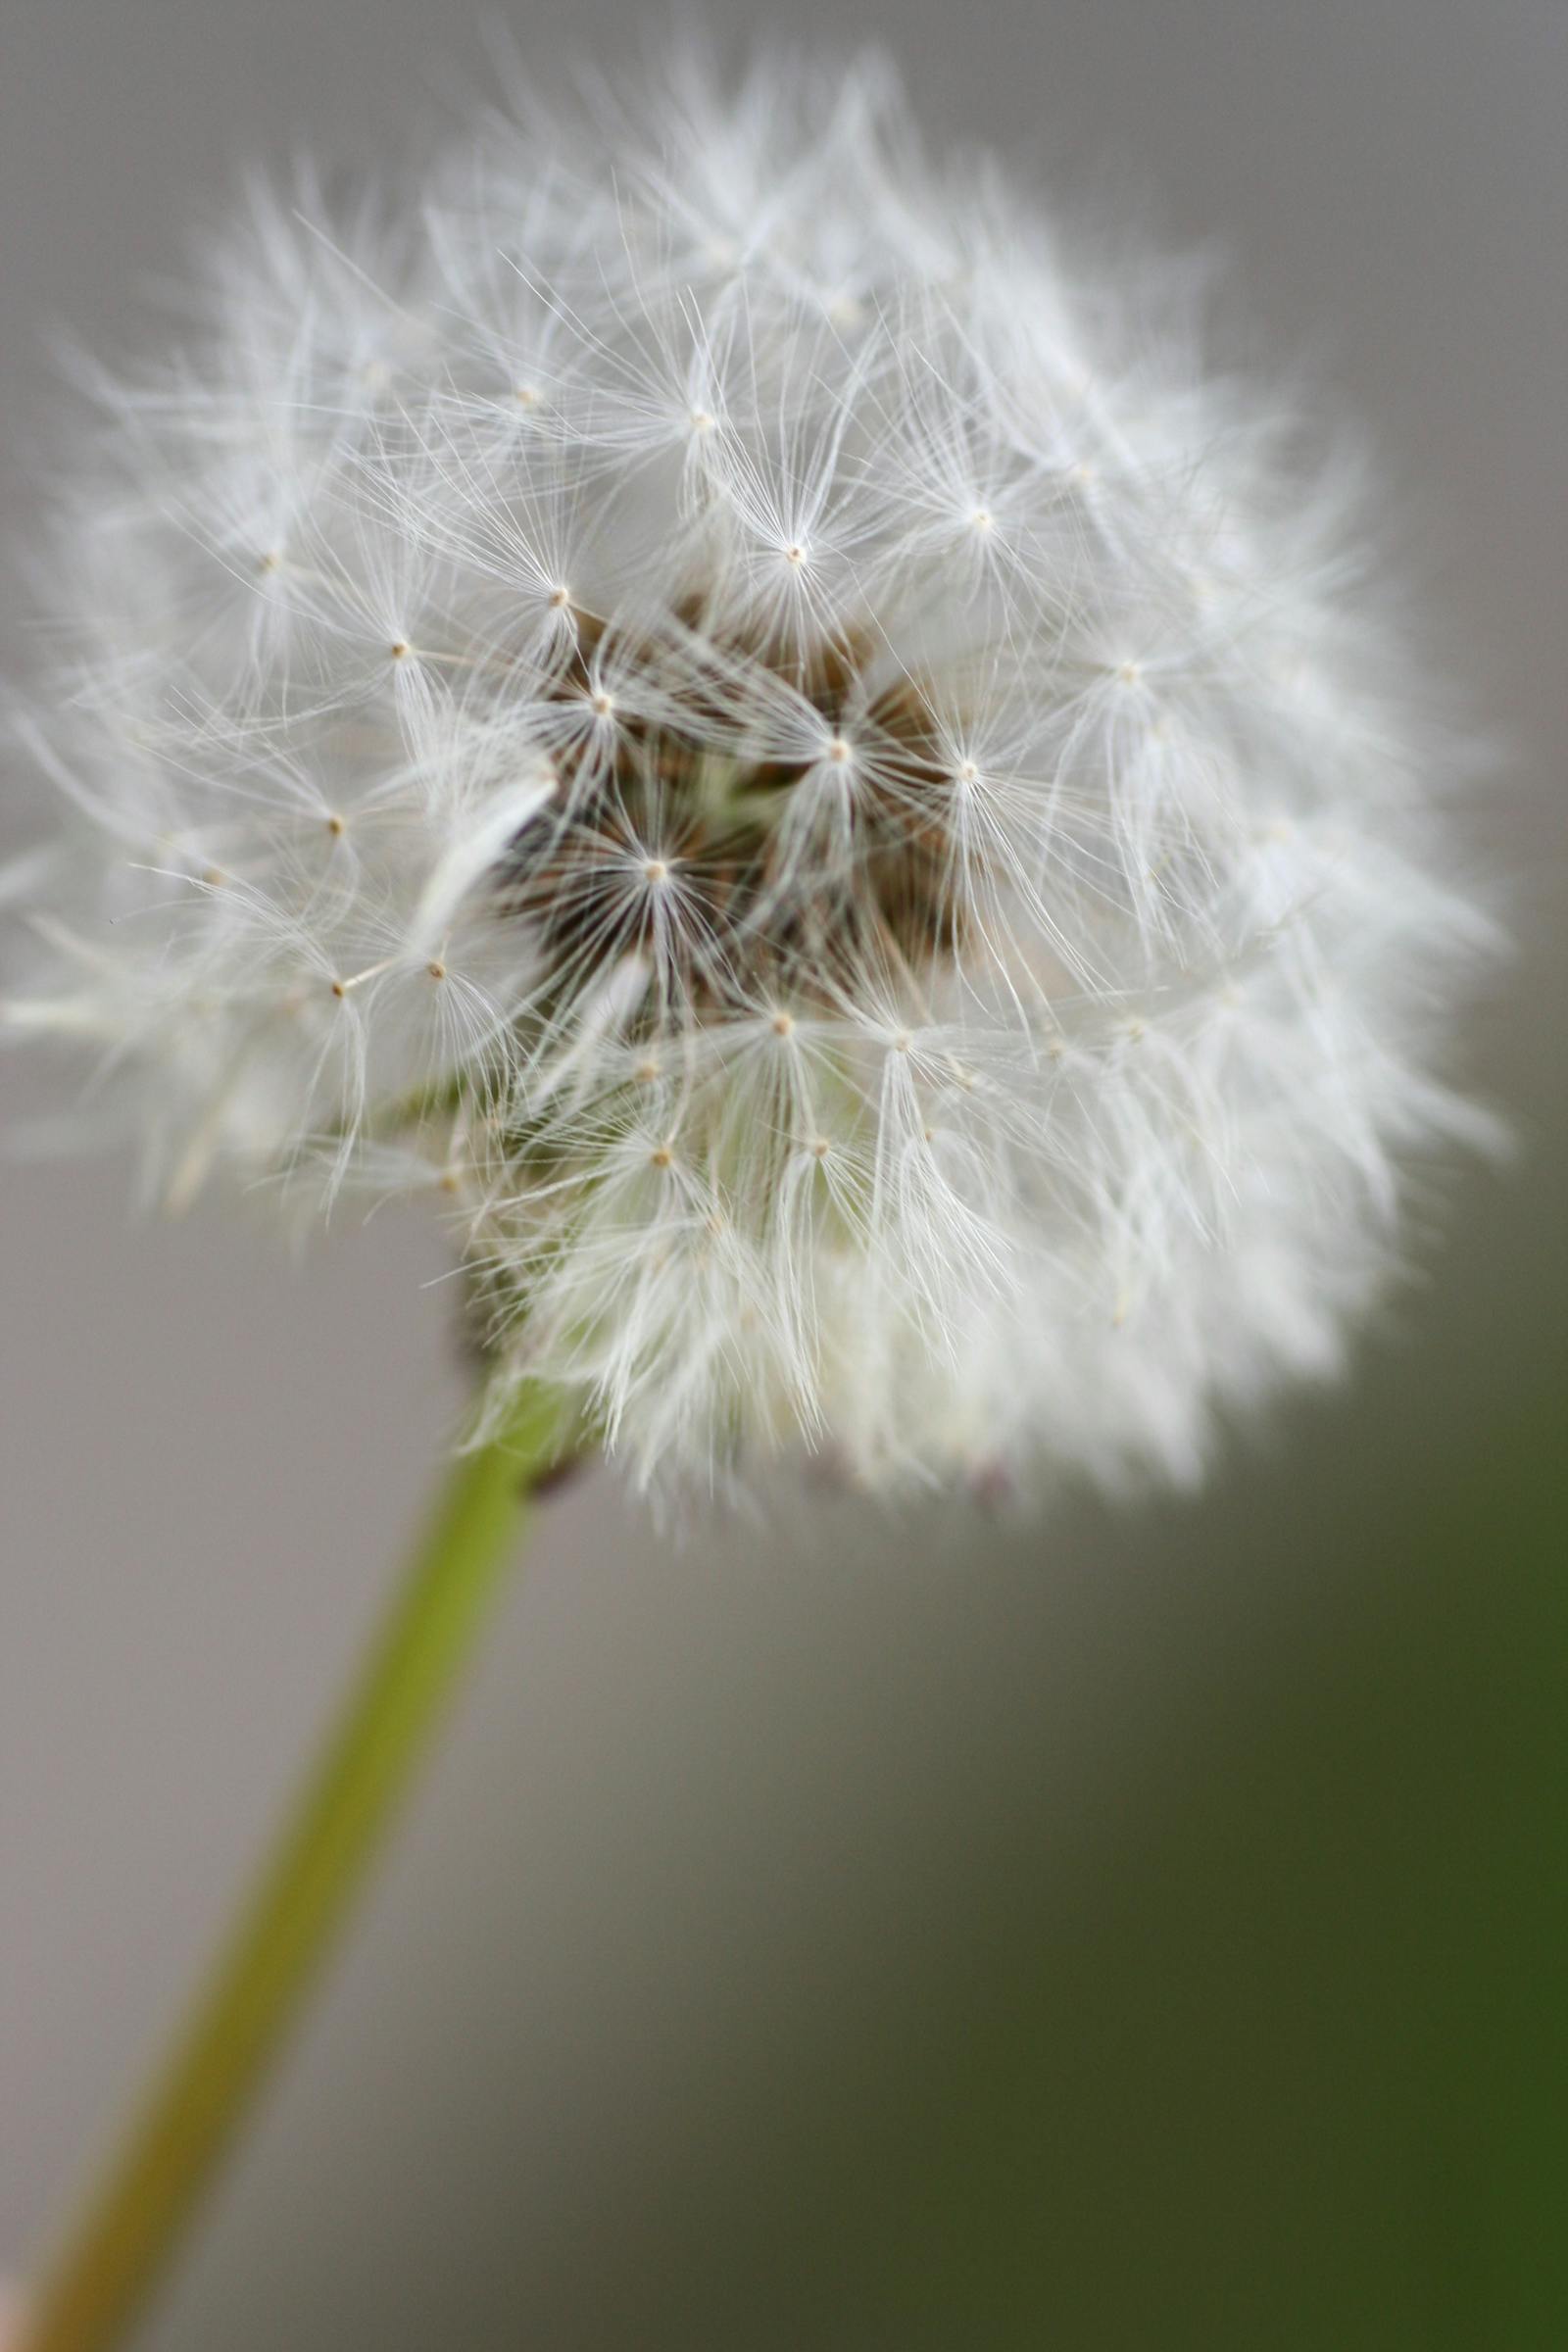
x: 716, y: 695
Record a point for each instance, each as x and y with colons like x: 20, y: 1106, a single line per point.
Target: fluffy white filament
x: 696, y: 687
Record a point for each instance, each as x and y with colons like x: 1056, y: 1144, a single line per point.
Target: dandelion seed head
x: 947, y: 926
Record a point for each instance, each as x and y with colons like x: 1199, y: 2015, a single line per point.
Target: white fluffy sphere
x: 704, y: 690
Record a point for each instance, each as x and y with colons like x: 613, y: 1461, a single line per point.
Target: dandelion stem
x: 131, y: 2227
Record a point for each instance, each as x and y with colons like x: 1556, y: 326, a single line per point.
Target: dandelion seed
x: 1117, y: 922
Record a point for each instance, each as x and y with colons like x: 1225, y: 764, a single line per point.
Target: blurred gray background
x: 1138, y: 1932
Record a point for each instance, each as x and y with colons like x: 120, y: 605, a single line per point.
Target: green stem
x: 129, y: 2230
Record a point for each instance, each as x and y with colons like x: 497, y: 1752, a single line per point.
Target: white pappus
x: 781, y: 738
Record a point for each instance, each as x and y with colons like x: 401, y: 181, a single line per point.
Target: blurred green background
x: 1139, y: 1931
